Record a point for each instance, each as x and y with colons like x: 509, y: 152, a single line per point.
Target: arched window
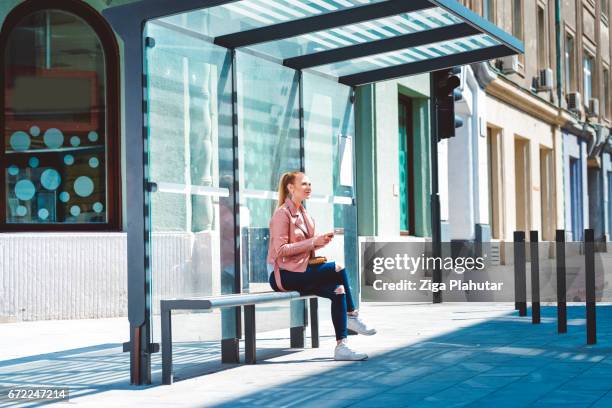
x: 59, y: 119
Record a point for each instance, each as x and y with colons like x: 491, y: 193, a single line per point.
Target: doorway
x: 496, y: 182
x: 547, y: 201
x: 577, y: 221
x: 406, y: 166
x: 522, y: 184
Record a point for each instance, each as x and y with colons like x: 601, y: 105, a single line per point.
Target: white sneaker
x: 344, y: 353
x: 357, y: 325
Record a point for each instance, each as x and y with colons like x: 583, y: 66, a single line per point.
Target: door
x: 547, y: 184
x: 577, y: 221
x: 496, y: 182
x: 522, y: 185
x: 406, y: 166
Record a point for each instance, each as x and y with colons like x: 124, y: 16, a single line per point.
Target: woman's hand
x: 324, y: 239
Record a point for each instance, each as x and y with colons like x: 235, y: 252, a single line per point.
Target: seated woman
x: 293, y: 243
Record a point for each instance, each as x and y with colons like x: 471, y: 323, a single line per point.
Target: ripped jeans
x: 322, y: 280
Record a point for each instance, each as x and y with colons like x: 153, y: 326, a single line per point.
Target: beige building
x: 546, y: 119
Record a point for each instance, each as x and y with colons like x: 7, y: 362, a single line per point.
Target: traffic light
x: 445, y: 94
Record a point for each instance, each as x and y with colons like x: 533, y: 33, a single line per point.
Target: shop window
x: 59, y: 140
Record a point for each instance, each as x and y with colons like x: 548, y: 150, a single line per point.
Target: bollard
x: 535, y: 277
x: 589, y: 263
x: 561, y: 289
x: 520, y: 279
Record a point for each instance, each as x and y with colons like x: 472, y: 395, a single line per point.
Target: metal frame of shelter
x: 410, y: 37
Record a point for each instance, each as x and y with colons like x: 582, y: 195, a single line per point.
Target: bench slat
x: 229, y: 301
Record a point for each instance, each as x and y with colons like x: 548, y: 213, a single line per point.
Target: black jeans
x: 322, y: 280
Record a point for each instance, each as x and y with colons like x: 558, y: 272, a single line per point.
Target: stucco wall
x: 538, y: 133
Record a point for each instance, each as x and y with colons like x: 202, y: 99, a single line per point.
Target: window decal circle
x: 25, y: 190
x: 98, y: 207
x: 54, y: 138
x: 83, y: 186
x: 21, y: 211
x: 50, y: 179
x: 20, y: 141
x: 75, y: 210
x: 75, y: 141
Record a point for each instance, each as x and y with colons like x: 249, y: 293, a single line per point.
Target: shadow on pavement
x: 504, y: 361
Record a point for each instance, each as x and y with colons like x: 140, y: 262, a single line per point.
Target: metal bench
x: 248, y: 301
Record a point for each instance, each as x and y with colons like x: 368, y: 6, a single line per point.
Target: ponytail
x: 285, y: 180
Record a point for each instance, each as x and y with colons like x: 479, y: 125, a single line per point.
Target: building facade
x: 544, y: 123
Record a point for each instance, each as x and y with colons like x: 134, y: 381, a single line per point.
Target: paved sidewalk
x: 449, y: 355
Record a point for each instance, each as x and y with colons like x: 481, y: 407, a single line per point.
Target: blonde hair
x: 285, y: 180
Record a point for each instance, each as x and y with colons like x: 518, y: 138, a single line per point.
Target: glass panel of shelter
x: 189, y: 122
x: 268, y: 146
x: 329, y: 130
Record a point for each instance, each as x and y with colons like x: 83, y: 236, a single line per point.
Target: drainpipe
x: 558, y: 45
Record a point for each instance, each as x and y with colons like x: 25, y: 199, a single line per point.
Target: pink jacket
x: 291, y: 240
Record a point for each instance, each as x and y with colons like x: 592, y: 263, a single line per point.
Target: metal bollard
x: 535, y: 277
x: 561, y: 283
x: 589, y: 263
x: 520, y: 279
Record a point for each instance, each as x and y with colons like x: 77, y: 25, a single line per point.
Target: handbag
x: 317, y: 260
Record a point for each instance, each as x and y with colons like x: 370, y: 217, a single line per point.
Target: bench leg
x: 297, y: 337
x: 166, y: 340
x: 230, y: 333
x: 314, y: 322
x: 230, y: 351
x: 249, y: 334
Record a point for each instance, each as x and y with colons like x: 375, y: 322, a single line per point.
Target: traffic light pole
x: 436, y: 230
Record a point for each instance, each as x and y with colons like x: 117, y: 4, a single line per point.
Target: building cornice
x: 503, y: 89
x: 507, y: 91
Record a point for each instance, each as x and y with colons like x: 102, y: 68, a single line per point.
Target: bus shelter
x: 221, y: 97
